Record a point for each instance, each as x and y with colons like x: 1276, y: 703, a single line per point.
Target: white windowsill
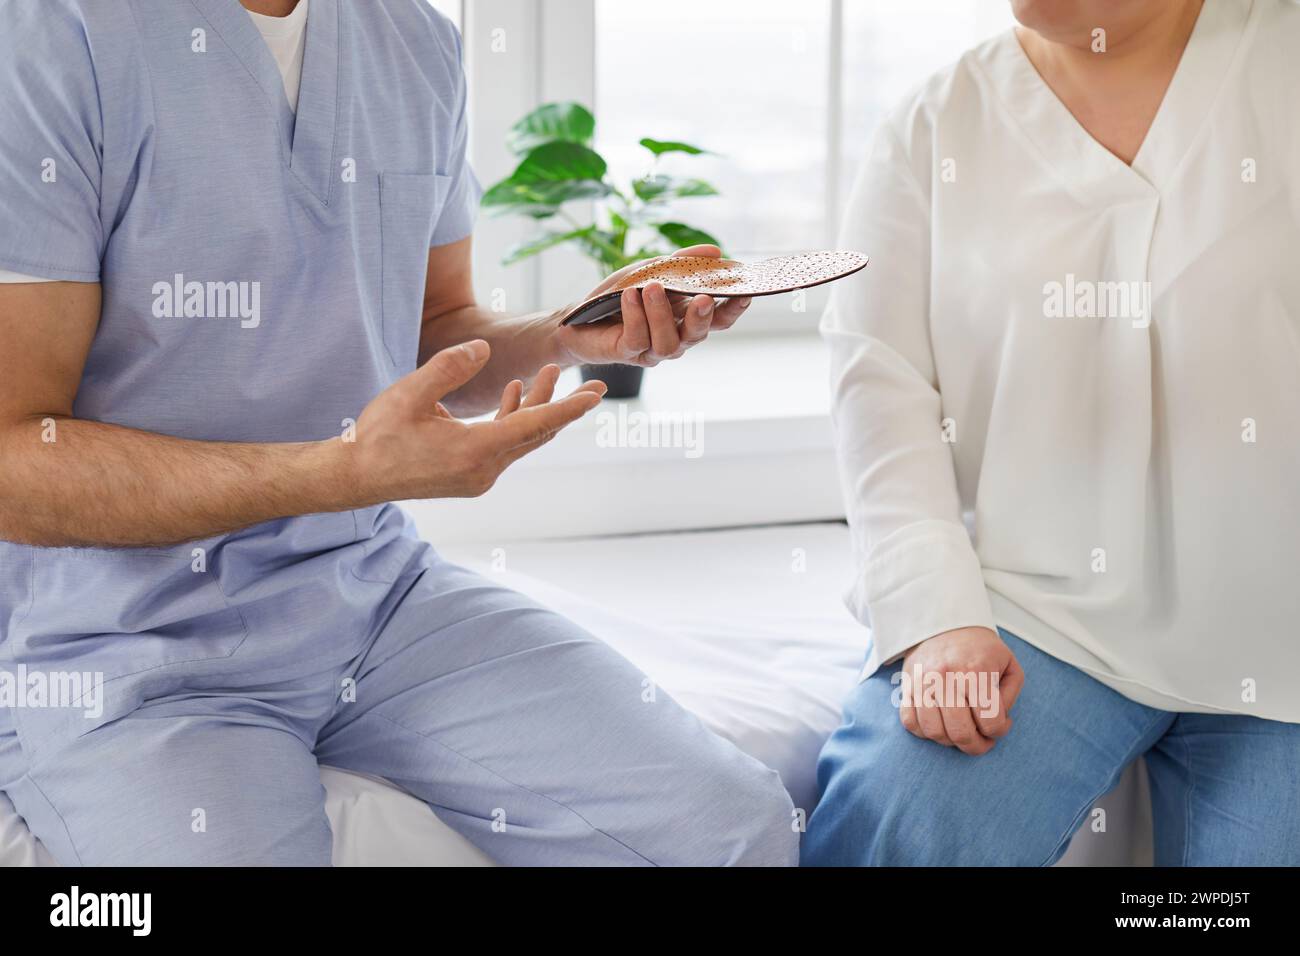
x: 753, y: 415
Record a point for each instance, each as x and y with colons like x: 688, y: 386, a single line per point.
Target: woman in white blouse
x: 1067, y: 394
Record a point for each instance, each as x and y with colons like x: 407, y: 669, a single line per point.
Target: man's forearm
x: 521, y: 345
x: 66, y: 482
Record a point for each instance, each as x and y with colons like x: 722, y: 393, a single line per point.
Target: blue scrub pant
x: 523, y: 732
x: 1225, y: 788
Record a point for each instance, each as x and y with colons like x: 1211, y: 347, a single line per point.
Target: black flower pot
x: 624, y: 381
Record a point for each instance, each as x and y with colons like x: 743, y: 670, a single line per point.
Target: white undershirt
x: 287, y: 39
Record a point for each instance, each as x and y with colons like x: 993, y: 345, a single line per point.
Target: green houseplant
x: 557, y: 166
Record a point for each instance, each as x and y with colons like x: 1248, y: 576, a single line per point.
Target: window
x: 784, y: 93
x: 890, y: 46
x: 787, y: 92
x: 449, y: 8
x: 748, y: 80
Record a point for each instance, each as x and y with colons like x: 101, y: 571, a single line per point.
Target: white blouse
x: 1067, y: 390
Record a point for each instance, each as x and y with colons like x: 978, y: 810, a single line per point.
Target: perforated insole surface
x: 723, y: 278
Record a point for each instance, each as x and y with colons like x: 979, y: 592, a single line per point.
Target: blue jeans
x: 1225, y: 789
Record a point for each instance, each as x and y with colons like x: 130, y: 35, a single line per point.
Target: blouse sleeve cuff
x: 920, y: 581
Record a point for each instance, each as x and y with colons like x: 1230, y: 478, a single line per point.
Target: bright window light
x: 755, y: 82
x: 452, y: 9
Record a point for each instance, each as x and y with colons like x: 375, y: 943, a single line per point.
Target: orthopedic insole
x: 722, y: 278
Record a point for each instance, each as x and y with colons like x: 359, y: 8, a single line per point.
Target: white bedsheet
x: 744, y: 627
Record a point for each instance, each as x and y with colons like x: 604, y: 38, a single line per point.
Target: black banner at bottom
x: 303, y: 906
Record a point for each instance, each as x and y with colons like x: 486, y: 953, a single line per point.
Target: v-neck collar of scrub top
x: 1088, y: 169
x: 307, y: 139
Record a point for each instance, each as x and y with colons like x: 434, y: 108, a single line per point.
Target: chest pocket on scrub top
x: 409, y: 204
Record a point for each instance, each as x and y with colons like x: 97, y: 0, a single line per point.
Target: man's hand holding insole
x: 938, y: 672
x: 655, y: 325
x: 409, y: 446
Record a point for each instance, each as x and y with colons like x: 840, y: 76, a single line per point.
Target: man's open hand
x: 408, y: 445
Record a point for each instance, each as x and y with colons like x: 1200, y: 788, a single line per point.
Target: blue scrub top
x: 262, y: 277
x: 175, y: 153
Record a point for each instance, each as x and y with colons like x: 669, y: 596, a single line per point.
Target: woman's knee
x: 892, y: 799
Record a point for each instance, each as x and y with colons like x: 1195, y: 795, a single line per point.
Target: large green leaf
x: 652, y: 188
x: 569, y: 122
x: 560, y: 162
x: 619, y: 228
x: 542, y: 243
x: 539, y: 200
x: 603, y: 246
x: 682, y: 235
x: 694, y: 187
x: 660, y: 146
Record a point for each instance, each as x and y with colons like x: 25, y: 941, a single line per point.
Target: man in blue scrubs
x: 236, y: 320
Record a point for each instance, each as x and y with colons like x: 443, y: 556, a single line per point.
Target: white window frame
x: 518, y: 55
x: 550, y: 54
